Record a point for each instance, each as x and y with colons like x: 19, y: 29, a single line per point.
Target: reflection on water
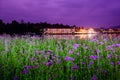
x: 59, y: 36
x: 78, y: 36
x: 110, y: 36
x: 85, y: 36
x: 82, y: 36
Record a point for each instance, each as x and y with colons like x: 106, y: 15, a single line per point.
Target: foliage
x: 33, y: 58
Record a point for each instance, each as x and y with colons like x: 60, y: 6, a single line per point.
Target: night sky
x: 90, y: 13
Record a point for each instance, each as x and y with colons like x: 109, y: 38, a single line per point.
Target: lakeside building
x: 68, y: 30
x: 84, y: 31
x: 110, y: 30
x: 60, y: 30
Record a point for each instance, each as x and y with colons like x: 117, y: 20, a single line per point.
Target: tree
x: 1, y: 22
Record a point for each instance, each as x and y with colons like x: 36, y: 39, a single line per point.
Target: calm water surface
x: 82, y: 36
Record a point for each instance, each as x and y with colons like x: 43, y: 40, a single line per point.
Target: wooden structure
x: 66, y: 30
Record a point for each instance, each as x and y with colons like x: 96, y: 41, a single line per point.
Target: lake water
x: 82, y: 36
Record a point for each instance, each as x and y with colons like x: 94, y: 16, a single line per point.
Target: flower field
x: 34, y: 58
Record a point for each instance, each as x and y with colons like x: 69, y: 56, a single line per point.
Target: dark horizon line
x: 22, y: 21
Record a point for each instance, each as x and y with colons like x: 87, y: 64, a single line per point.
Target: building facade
x: 59, y: 30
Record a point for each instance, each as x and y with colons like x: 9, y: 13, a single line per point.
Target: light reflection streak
x: 85, y: 36
x: 82, y: 36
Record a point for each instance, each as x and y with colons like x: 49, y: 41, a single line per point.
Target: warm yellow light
x: 91, y: 31
x: 82, y: 31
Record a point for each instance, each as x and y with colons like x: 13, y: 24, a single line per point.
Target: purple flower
x: 118, y: 62
x: 94, y: 40
x: 105, y: 39
x: 90, y: 63
x: 27, y: 67
x: 118, y: 45
x: 73, y: 78
x: 83, y: 63
x: 104, y: 72
x: 31, y: 59
x: 36, y: 52
x: 32, y: 43
x: 1, y: 37
x: 58, y: 61
x: 94, y: 77
x: 112, y: 63
x: 50, y: 78
x: 97, y: 50
x: 86, y: 47
x: 75, y: 67
x: 33, y: 37
x: 101, y: 43
x: 42, y: 51
x: 45, y: 56
x: 15, y: 78
x: 49, y: 63
x: 94, y: 57
x: 67, y: 58
x: 25, y: 71
x: 70, y: 52
x: 49, y: 51
x: 75, y: 46
x: 113, y: 45
x: 109, y: 47
x: 108, y: 56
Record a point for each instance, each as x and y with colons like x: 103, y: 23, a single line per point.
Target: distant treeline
x: 27, y: 28
x: 38, y: 28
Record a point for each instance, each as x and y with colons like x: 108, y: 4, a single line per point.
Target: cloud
x: 79, y: 12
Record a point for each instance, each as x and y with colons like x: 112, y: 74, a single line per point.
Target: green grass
x: 44, y: 59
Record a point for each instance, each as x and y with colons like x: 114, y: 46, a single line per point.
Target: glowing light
x: 82, y: 31
x: 91, y: 31
x: 85, y: 36
x: 89, y: 35
x: 81, y: 36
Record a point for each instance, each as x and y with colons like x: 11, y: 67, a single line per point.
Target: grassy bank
x: 32, y: 58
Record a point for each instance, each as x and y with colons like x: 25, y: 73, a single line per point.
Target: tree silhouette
x: 28, y: 28
x: 25, y: 28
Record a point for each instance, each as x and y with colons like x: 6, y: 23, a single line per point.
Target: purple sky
x: 78, y: 12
